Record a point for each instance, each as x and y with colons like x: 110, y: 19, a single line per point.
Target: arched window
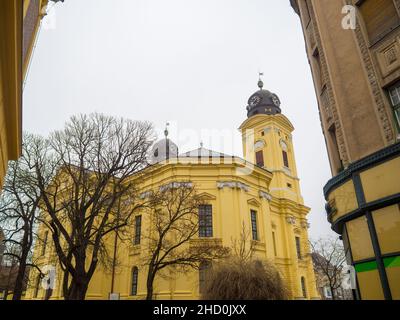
x: 203, y: 270
x: 135, y: 272
x: 303, y: 287
x: 285, y: 154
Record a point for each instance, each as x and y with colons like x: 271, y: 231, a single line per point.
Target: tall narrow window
x: 37, y: 286
x: 260, y: 158
x: 138, y: 228
x: 274, y: 243
x: 205, y: 221
x: 134, y: 286
x: 336, y: 162
x: 394, y: 94
x: 46, y: 235
x: 203, y: 270
x: 298, y: 248
x: 285, y: 159
x: 303, y: 287
x: 254, y: 230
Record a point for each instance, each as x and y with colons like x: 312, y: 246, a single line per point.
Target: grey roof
x: 265, y: 105
x: 204, y: 153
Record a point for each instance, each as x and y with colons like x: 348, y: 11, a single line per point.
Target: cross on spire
x: 260, y: 82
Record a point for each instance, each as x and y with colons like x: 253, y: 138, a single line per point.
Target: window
x: 135, y: 272
x: 394, y: 94
x: 254, y: 231
x: 285, y: 159
x: 298, y: 248
x: 380, y: 17
x: 260, y: 158
x: 203, y: 270
x: 336, y: 162
x: 138, y: 227
x: 303, y: 287
x: 274, y: 242
x: 205, y: 221
x: 37, y: 286
x: 46, y: 235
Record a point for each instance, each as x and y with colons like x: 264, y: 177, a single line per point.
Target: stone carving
x: 291, y: 220
x: 176, y: 185
x: 305, y: 225
x: 265, y: 195
x: 233, y: 185
x: 145, y: 194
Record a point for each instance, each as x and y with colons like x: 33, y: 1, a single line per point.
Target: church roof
x: 263, y: 102
x: 204, y: 153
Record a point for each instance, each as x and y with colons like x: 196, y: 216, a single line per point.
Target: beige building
x: 353, y: 48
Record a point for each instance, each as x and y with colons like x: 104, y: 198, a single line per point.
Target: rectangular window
x: 274, y: 243
x: 298, y: 248
x: 46, y: 235
x: 380, y: 17
x: 138, y: 229
x: 285, y: 159
x: 394, y: 94
x: 254, y: 230
x: 260, y: 158
x: 37, y: 285
x: 205, y: 221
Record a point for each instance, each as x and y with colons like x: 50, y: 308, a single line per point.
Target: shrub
x: 237, y: 279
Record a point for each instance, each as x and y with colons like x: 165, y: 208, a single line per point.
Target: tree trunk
x: 333, y: 293
x: 19, y: 281
x: 77, y: 289
x: 150, y: 281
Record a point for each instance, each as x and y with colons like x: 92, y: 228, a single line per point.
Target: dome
x: 263, y: 102
x: 162, y: 150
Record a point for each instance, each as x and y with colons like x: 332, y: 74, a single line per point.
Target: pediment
x: 254, y: 202
x: 207, y: 196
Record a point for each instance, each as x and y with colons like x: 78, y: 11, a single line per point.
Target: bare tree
x: 90, y: 194
x: 172, y: 237
x: 19, y: 207
x: 243, y: 247
x: 329, y: 259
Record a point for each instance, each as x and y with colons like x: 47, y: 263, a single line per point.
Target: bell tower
x: 267, y: 143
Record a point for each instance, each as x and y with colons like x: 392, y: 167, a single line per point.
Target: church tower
x: 267, y: 142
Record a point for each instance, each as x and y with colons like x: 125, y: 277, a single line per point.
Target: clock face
x: 276, y: 100
x: 254, y: 101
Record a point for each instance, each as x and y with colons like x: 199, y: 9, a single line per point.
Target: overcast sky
x: 192, y: 63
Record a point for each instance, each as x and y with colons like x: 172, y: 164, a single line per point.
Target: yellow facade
x: 19, y: 24
x: 233, y: 187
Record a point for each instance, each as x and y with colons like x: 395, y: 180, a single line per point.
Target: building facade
x: 19, y: 25
x: 353, y: 48
x: 261, y: 192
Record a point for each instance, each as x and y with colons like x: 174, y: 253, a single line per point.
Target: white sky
x: 192, y: 63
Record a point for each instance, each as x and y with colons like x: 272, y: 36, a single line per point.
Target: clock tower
x: 267, y: 142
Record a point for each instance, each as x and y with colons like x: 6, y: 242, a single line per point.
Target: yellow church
x: 260, y: 191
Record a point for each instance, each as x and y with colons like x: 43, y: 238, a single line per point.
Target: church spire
x: 260, y: 82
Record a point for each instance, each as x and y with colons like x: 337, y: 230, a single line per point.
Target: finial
x: 166, y: 130
x: 201, y: 144
x: 260, y: 82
